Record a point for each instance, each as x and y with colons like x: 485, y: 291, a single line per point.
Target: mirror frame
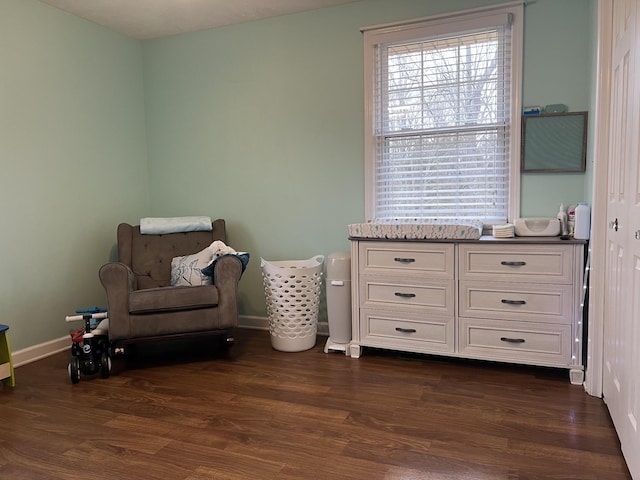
x: 573, y: 157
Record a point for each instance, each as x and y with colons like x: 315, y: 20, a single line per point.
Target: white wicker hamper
x: 292, y: 292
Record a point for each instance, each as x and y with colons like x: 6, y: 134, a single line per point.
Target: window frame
x: 428, y: 27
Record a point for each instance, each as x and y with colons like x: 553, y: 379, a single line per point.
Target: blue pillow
x: 243, y: 256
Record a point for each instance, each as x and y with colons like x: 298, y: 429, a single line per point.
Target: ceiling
x: 145, y: 19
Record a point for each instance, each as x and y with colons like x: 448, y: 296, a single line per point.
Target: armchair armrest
x: 118, y: 280
x: 226, y: 275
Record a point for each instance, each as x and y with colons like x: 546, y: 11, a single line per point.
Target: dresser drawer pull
x: 404, y: 260
x: 405, y: 295
x: 512, y: 340
x: 513, y: 302
x: 407, y: 330
x: 513, y: 264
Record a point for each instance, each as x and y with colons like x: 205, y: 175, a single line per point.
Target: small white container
x: 583, y: 222
x: 564, y: 220
x: 571, y: 214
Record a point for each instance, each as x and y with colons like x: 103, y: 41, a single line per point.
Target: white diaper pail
x: 292, y: 293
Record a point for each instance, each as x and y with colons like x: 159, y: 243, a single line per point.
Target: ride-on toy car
x: 90, y: 345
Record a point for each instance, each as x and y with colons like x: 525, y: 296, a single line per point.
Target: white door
x: 621, y: 375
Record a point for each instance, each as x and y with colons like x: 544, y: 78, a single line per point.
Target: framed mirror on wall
x: 554, y: 142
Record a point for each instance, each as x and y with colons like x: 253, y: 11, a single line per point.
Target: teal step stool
x: 6, y: 364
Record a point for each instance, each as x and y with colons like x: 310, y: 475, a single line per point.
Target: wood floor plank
x: 182, y: 412
x: 228, y: 462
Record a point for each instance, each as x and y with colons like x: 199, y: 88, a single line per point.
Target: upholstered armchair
x: 144, y: 306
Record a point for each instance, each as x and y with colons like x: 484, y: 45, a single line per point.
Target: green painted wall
x: 73, y: 160
x: 262, y: 123
x: 259, y: 123
x: 559, y: 57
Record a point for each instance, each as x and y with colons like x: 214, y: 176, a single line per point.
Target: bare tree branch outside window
x: 444, y: 119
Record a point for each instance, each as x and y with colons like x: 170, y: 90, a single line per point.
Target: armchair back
x: 149, y: 256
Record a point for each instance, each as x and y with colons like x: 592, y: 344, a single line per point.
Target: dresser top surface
x: 482, y: 239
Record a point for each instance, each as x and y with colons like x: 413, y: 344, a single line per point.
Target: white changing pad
x: 424, y: 230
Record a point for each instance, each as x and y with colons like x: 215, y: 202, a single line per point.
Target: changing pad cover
x: 419, y: 229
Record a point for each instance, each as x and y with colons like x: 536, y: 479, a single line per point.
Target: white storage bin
x: 292, y: 292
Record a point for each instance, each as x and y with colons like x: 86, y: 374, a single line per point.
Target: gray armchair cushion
x: 165, y: 299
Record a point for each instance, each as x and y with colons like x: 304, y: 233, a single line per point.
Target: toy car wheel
x: 74, y: 370
x: 105, y: 365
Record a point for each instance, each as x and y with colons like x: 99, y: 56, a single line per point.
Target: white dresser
x: 516, y: 300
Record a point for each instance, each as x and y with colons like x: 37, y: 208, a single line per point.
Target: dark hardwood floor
x: 178, y: 412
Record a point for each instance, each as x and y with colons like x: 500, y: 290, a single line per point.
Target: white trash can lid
x: 339, y: 265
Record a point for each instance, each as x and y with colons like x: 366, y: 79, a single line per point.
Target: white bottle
x: 583, y: 221
x: 571, y: 214
x: 563, y: 219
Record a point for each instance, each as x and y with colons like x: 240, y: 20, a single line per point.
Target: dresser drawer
x: 387, y: 292
x: 407, y: 259
x: 517, y: 263
x: 411, y: 332
x: 518, y: 342
x: 535, y: 302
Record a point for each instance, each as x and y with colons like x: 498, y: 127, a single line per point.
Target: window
x: 443, y: 117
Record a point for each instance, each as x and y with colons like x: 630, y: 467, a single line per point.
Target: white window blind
x: 442, y: 120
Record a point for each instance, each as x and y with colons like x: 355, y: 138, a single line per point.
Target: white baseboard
x: 40, y: 351
x: 46, y: 349
x: 323, y: 329
x: 262, y: 323
x: 255, y: 322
